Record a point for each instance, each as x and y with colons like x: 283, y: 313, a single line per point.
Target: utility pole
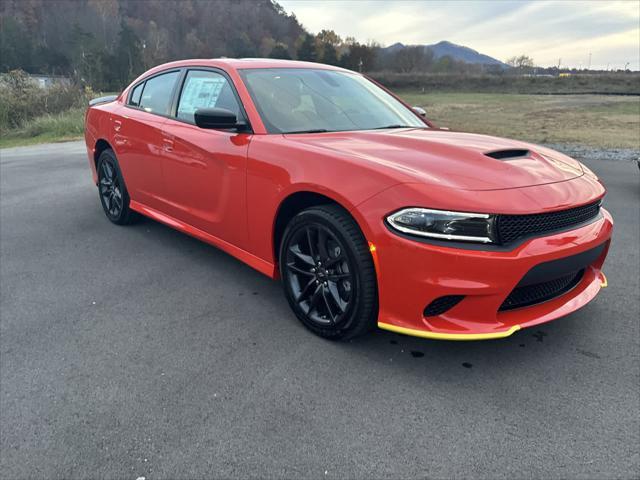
x: 589, y: 67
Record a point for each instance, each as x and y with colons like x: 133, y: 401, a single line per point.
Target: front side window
x: 205, y: 89
x: 293, y: 100
x: 157, y: 92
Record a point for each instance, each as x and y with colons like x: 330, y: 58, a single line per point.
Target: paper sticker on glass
x: 201, y: 90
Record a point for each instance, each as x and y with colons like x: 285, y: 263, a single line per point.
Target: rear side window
x: 205, y: 89
x: 134, y: 100
x: 156, y: 95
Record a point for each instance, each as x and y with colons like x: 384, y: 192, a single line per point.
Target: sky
x: 545, y: 30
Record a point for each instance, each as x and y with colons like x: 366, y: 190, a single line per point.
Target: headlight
x: 461, y: 226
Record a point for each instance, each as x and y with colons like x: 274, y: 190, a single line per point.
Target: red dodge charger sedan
x: 369, y: 213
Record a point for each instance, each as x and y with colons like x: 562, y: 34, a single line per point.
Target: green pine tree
x: 307, y: 49
x: 280, y: 51
x: 330, y: 56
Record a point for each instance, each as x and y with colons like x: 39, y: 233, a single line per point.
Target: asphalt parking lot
x: 138, y: 351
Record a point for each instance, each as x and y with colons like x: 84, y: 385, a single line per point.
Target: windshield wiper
x: 316, y: 130
x: 395, y: 126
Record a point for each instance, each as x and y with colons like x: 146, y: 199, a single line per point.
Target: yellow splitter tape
x: 464, y: 336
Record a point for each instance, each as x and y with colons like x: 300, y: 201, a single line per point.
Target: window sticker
x: 200, y: 92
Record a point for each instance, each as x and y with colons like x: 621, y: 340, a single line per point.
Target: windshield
x: 298, y: 100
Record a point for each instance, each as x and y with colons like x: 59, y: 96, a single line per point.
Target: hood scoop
x: 508, y: 154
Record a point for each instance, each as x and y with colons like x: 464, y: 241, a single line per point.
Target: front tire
x: 328, y: 274
x: 112, y: 190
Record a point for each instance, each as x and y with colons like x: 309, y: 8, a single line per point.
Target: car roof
x: 245, y: 63
x: 230, y: 64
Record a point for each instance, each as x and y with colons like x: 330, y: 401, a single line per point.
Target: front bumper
x: 412, y: 274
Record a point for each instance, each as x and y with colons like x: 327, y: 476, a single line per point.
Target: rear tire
x: 112, y: 190
x: 328, y: 274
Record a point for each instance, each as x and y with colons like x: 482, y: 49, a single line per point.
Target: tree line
x: 106, y: 43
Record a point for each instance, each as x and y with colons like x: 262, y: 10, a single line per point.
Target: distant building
x: 47, y: 81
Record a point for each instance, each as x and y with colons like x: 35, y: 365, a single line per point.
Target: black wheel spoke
x: 108, y: 173
x: 293, y: 267
x: 306, y: 290
x: 310, y: 243
x: 332, y: 261
x: 112, y: 202
x: 305, y: 258
x: 314, y: 299
x: 338, y: 276
x: 326, y: 303
x: 335, y: 295
x: 322, y: 245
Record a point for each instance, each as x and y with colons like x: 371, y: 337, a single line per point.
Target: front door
x: 205, y: 170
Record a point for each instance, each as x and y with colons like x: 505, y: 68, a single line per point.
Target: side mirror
x: 216, y: 118
x: 420, y: 111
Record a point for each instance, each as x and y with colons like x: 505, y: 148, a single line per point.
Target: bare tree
x: 521, y: 62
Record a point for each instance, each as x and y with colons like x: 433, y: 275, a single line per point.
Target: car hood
x: 449, y: 159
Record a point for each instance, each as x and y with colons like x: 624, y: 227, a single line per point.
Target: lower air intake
x: 442, y: 304
x: 541, y: 292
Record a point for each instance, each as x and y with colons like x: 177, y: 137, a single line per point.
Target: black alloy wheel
x: 328, y: 273
x: 112, y: 190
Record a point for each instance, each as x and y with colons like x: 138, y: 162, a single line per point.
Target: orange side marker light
x: 374, y: 255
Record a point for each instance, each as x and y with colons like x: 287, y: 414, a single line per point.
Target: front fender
x: 277, y: 169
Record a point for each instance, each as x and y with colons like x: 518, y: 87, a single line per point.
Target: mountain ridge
x: 455, y: 51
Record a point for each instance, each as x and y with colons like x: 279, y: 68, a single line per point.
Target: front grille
x: 513, y: 227
x: 442, y: 304
x: 541, y: 292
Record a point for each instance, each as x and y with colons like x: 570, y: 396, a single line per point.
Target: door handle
x: 167, y: 144
x: 117, y: 125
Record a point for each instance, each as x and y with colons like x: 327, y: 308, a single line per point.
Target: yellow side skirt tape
x: 448, y: 336
x: 603, y: 280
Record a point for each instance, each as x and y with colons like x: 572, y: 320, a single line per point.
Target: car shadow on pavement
x: 523, y: 352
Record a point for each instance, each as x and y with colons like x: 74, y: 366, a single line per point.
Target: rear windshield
x: 296, y: 100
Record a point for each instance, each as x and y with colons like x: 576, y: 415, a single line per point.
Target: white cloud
x: 544, y: 30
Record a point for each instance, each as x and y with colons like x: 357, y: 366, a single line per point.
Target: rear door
x: 205, y: 170
x: 138, y: 137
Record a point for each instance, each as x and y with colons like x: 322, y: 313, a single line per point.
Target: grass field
x: 59, y: 127
x: 590, y: 120
x: 593, y: 120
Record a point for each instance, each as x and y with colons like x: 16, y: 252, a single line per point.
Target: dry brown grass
x: 594, y: 120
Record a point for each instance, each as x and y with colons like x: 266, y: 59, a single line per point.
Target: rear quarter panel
x: 96, y: 127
